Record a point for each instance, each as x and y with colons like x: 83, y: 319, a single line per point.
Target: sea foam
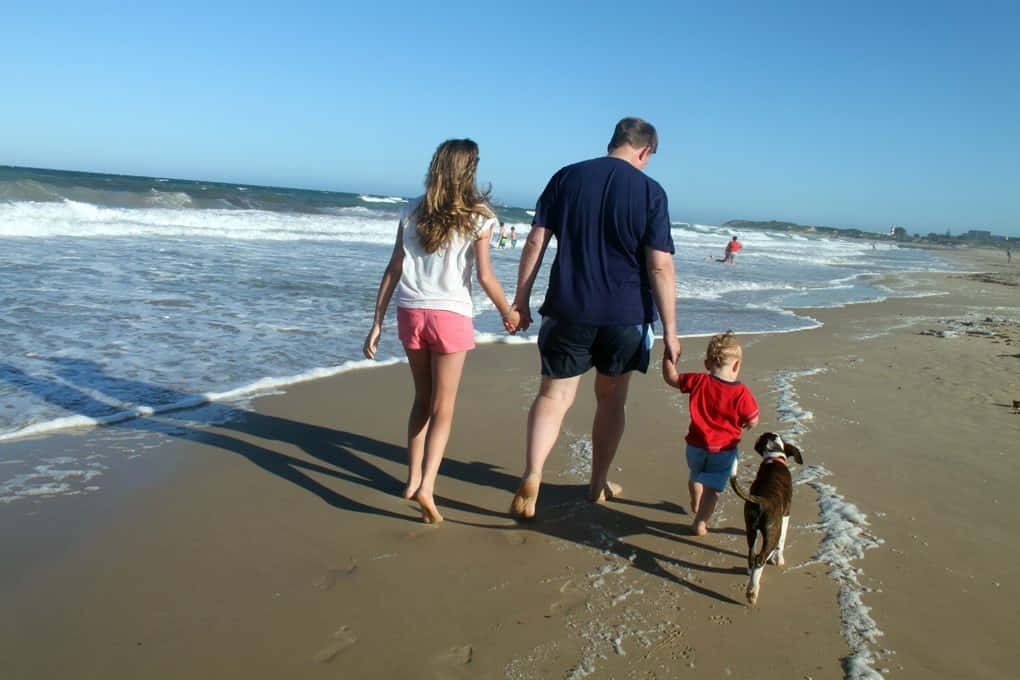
x: 845, y: 537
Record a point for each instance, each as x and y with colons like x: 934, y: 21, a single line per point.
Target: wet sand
x: 277, y: 545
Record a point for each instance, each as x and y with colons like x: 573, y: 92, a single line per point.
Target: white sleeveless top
x: 440, y: 280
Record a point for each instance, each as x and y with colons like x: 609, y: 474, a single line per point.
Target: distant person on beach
x: 613, y: 267
x: 720, y: 406
x: 732, y: 248
x: 1009, y: 255
x: 440, y: 236
x: 513, y: 237
x: 502, y: 236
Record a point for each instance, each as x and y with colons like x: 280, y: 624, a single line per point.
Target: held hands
x: 670, y: 355
x: 517, y: 319
x: 524, y: 313
x: 512, y: 321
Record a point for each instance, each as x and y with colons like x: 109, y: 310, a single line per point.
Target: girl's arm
x: 390, y: 279
x: 491, y: 286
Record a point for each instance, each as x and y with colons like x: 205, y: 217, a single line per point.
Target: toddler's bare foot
x: 429, y: 513
x: 523, y: 505
x: 699, y: 528
x: 607, y: 493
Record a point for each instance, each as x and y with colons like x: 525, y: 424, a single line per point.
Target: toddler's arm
x: 669, y: 372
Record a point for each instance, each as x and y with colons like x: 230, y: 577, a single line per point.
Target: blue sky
x: 863, y: 114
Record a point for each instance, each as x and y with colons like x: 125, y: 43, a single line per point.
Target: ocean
x: 127, y: 297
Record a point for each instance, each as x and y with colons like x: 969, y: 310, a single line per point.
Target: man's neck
x: 630, y: 154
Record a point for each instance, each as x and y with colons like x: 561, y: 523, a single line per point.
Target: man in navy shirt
x: 613, y: 267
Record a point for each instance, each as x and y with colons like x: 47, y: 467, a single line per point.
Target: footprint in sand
x: 342, y: 638
x: 571, y: 598
x: 455, y: 656
x: 516, y: 538
x: 329, y: 579
x: 718, y: 618
x: 453, y: 664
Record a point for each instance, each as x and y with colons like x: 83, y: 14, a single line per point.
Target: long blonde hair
x: 722, y: 348
x: 451, y: 198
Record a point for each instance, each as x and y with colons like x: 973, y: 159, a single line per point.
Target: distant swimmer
x: 732, y: 248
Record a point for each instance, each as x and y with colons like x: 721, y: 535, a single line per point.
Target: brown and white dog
x: 767, y: 507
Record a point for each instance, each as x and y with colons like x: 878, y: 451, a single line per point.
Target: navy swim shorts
x: 570, y: 349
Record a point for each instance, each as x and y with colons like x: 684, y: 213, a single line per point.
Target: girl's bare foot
x: 523, y: 505
x: 608, y: 492
x: 429, y: 513
x: 413, y: 482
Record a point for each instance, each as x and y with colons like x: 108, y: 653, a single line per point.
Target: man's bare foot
x: 699, y: 528
x: 523, y: 505
x: 607, y: 493
x: 429, y: 513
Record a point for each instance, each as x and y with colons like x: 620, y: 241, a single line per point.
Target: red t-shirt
x: 718, y: 410
x: 733, y: 246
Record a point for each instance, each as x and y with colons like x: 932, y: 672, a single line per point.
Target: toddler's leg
x: 694, y: 489
x: 709, y: 497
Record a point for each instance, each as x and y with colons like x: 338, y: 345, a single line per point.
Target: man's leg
x: 606, y: 432
x: 554, y: 399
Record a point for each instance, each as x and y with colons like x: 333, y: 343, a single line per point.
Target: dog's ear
x: 762, y: 443
x: 791, y: 450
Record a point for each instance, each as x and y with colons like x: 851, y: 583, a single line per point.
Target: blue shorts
x: 570, y: 349
x: 712, y: 469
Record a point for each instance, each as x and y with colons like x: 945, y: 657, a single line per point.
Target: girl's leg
x: 420, y: 361
x: 446, y: 372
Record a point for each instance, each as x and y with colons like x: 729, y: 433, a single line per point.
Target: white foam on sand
x: 59, y: 476
x: 845, y: 538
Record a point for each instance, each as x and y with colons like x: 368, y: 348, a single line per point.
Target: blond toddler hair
x: 722, y: 349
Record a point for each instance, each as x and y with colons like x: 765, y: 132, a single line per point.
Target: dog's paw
x: 752, y: 596
x: 776, y: 558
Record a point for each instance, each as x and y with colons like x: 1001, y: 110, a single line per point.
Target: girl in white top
x: 441, y: 235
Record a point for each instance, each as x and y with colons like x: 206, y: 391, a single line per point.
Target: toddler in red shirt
x: 720, y: 407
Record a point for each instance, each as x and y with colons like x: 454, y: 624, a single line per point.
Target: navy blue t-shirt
x: 603, y: 212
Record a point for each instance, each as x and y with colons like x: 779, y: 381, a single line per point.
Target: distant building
x: 978, y: 235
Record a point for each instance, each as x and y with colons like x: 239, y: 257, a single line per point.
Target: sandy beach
x: 277, y: 545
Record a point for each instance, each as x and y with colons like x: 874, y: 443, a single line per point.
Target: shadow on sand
x: 348, y: 457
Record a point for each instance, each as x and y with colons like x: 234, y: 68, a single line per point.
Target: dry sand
x: 277, y: 545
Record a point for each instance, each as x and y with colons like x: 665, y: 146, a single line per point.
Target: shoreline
x: 283, y: 528
x: 259, y: 387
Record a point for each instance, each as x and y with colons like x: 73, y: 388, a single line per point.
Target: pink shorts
x: 435, y: 329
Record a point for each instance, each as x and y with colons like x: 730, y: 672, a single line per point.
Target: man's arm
x: 531, y: 259
x: 662, y: 277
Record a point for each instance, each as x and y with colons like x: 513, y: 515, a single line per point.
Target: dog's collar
x: 774, y: 457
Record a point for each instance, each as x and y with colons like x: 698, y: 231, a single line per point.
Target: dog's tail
x: 740, y: 492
